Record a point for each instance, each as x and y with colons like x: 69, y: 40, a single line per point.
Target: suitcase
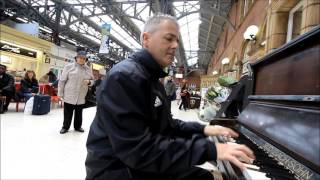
x: 41, y: 104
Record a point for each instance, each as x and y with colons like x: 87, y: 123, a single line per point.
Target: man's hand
x: 219, y: 130
x: 235, y: 153
x: 86, y: 82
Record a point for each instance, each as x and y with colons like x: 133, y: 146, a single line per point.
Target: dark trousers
x: 184, y: 102
x: 68, y: 113
x: 9, y: 95
x: 194, y: 173
x: 169, y: 102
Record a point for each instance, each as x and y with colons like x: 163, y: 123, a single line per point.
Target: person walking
x: 72, y: 88
x: 184, y: 97
x: 170, y: 88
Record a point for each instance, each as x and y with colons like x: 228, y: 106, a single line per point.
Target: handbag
x: 90, y: 98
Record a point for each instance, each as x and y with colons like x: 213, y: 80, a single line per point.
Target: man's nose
x: 175, y: 44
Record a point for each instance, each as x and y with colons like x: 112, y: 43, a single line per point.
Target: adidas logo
x: 157, y: 102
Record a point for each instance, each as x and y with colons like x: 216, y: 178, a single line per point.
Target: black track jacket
x: 133, y: 132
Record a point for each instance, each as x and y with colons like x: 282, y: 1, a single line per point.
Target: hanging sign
x: 105, y: 32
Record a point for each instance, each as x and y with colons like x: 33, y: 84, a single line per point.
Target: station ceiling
x: 79, y: 22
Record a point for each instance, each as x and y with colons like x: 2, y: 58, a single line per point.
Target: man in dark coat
x: 6, y: 86
x: 133, y: 135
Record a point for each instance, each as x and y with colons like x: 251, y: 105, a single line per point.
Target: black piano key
x: 273, y: 170
x: 279, y: 176
x: 269, y: 166
x: 260, y: 155
x: 268, y: 162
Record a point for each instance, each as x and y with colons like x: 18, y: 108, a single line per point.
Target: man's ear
x: 145, y: 39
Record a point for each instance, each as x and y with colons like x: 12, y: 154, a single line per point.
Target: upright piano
x: 281, y: 122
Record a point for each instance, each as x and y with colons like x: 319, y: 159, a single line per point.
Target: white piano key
x: 253, y: 175
x: 251, y: 166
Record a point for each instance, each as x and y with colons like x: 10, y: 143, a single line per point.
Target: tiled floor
x: 32, y: 148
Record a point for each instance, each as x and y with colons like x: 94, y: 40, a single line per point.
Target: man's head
x: 3, y: 69
x: 161, y: 38
x: 81, y: 57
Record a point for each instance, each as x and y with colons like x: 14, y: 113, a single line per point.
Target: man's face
x: 163, y: 42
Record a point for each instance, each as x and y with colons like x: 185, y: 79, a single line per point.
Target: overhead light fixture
x: 23, y: 20
x: 251, y: 32
x: 179, y: 75
x: 225, y: 61
x: 215, y: 72
x: 61, y: 37
x: 45, y: 30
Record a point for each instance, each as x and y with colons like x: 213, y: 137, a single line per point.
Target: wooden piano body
x: 281, y: 121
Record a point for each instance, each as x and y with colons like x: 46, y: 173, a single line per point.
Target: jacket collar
x: 79, y: 65
x: 146, y: 59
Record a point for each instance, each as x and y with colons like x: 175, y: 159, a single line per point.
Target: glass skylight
x: 138, y: 12
x: 189, y: 29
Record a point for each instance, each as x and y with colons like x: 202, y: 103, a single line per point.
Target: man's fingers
x: 236, y: 162
x: 246, y: 150
x: 242, y: 156
x: 233, y: 133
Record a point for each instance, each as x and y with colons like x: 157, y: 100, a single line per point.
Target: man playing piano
x: 133, y: 135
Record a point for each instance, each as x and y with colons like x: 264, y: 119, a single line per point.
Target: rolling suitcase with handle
x: 41, y: 103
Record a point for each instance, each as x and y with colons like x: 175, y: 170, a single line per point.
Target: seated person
x: 49, y: 78
x: 7, y: 88
x: 44, y: 79
x: 17, y: 79
x: 52, y: 77
x: 29, y: 85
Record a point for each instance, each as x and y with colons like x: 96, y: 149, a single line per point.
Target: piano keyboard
x: 264, y: 167
x: 266, y: 164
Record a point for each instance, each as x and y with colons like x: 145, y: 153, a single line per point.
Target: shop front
x: 20, y: 52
